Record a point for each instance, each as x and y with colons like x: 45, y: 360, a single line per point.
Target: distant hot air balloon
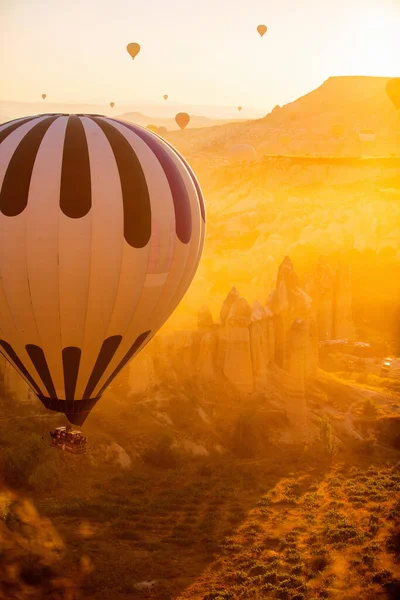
x: 242, y: 152
x: 393, y: 91
x: 112, y: 104
x: 133, y: 49
x: 182, y: 119
x: 97, y: 208
x: 44, y: 96
x: 262, y: 30
x: 367, y: 135
x: 240, y: 108
x: 162, y: 130
x: 152, y: 128
x: 165, y: 96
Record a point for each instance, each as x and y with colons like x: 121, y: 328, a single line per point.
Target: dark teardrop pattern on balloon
x: 14, y: 358
x: 107, y: 351
x: 76, y: 188
x: 133, y: 349
x: 38, y: 358
x: 135, y: 194
x: 180, y: 194
x: 15, y: 190
x: 194, y: 179
x: 71, y: 357
x: 15, y: 124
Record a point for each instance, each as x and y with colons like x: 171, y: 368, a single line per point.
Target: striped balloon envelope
x: 102, y: 227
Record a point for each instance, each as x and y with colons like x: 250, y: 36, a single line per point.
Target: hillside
x: 355, y: 103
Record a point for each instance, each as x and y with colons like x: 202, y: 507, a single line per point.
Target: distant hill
x: 169, y: 123
x: 159, y: 114
x: 305, y: 125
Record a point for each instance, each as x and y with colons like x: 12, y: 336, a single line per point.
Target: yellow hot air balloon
x: 96, y: 208
x: 112, y: 104
x: 44, y: 96
x: 262, y: 30
x: 133, y: 49
x: 165, y: 96
x: 240, y: 108
x: 182, y: 119
x: 152, y: 128
x: 393, y: 91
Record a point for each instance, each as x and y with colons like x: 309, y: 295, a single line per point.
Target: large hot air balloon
x: 242, y: 152
x: 44, y: 96
x: 182, y: 119
x: 152, y: 128
x: 133, y: 49
x: 367, y: 135
x: 165, y: 96
x: 112, y: 104
x: 262, y: 30
x: 393, y: 91
x: 240, y: 108
x: 102, y: 228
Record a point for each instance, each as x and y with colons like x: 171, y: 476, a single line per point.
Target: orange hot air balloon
x: 393, y: 91
x: 152, y: 128
x: 165, y: 96
x: 182, y: 119
x: 262, y: 30
x: 240, y: 108
x: 44, y: 96
x: 133, y: 49
x: 112, y: 104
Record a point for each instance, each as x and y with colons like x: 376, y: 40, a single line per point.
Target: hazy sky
x: 197, y: 51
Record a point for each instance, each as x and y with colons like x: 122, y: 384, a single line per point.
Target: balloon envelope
x: 393, y: 91
x: 240, y: 152
x: 262, y: 30
x: 44, y: 96
x: 165, y: 96
x: 133, y: 49
x: 182, y: 119
x: 240, y: 108
x: 102, y: 227
x: 112, y: 104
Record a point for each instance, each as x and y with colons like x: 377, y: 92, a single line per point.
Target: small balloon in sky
x: 44, y: 96
x: 162, y: 130
x: 262, y: 30
x: 240, y: 108
x: 133, y: 49
x: 165, y: 96
x: 182, y: 119
x: 393, y: 91
x: 112, y: 104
